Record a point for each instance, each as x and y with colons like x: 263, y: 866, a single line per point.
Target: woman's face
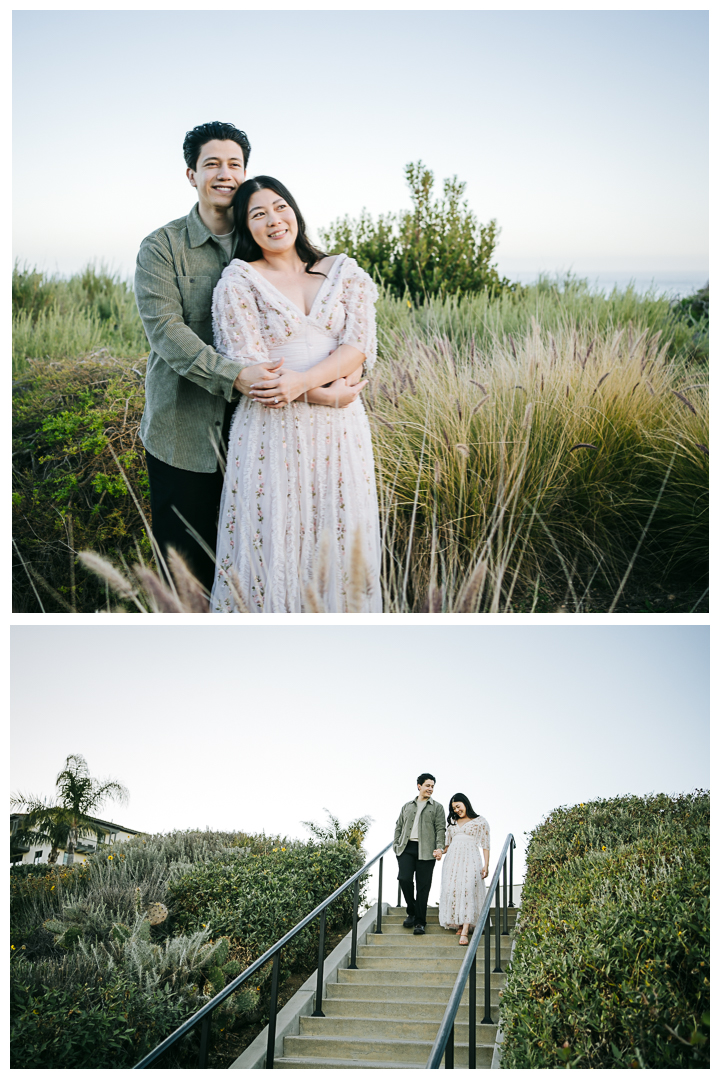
x: 458, y: 809
x: 272, y: 222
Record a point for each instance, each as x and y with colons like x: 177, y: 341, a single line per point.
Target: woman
x: 298, y: 527
x: 462, y: 892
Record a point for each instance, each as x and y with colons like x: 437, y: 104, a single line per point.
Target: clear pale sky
x: 261, y: 727
x: 584, y: 133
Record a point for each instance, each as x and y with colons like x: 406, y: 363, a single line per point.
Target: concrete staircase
x: 387, y: 1012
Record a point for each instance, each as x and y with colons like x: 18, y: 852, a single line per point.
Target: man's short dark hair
x: 204, y: 133
x: 426, y: 776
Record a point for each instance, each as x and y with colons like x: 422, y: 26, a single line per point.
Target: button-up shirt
x: 431, y: 828
x: 188, y: 383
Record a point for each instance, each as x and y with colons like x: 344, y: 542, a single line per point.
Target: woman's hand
x: 250, y: 375
x: 276, y: 390
x: 485, y: 871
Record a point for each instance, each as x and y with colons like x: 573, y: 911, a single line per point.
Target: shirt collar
x: 198, y: 231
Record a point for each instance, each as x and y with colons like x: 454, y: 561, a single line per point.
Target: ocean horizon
x: 676, y: 285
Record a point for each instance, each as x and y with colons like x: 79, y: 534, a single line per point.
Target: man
x: 190, y: 389
x: 419, y: 843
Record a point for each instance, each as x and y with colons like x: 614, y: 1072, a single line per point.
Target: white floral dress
x: 462, y: 892
x: 300, y: 481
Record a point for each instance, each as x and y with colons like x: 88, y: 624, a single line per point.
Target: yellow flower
x: 12, y: 946
x: 409, y: 304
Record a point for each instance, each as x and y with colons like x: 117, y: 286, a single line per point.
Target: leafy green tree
x: 79, y: 797
x: 353, y: 833
x: 437, y: 248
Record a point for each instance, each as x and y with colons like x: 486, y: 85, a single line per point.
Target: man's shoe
x: 419, y: 929
x: 409, y: 922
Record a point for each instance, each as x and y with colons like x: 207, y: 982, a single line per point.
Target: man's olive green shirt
x: 431, y: 828
x: 188, y: 383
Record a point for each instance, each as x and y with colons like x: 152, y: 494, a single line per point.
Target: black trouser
x: 197, y: 497
x: 414, y: 871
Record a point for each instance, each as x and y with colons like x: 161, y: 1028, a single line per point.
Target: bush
x: 256, y: 900
x: 85, y: 952
x: 438, y: 248
x: 611, y: 962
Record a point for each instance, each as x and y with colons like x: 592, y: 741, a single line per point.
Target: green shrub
x: 83, y: 949
x: 256, y: 900
x: 108, y: 1022
x: 437, y: 248
x: 611, y: 962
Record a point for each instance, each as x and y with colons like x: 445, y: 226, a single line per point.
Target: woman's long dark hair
x: 247, y: 248
x: 459, y: 797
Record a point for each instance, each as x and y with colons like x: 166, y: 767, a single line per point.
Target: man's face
x: 426, y: 789
x: 219, y: 173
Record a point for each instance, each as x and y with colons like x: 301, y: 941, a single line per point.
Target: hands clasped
x: 438, y: 854
x: 275, y: 388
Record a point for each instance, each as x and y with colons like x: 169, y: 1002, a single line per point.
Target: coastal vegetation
x: 538, y: 448
x: 612, y: 953
x: 109, y: 957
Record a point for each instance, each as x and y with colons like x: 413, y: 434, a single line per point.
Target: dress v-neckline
x: 323, y: 285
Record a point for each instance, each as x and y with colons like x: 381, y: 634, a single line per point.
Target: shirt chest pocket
x: 196, y: 292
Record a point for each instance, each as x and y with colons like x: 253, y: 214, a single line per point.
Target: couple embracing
x: 422, y: 837
x: 259, y: 343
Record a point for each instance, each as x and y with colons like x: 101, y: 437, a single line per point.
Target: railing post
x: 204, y: 1039
x: 512, y: 845
x: 270, y: 1057
x: 450, y: 1049
x: 321, y: 966
x: 378, y: 921
x: 487, y: 1018
x: 498, y: 965
x: 353, y: 951
x: 472, y: 1013
x: 505, y: 924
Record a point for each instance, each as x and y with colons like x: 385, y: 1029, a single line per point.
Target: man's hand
x: 438, y: 854
x: 255, y: 372
x: 342, y: 393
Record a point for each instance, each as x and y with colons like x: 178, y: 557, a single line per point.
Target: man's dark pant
x: 414, y: 871
x: 197, y: 497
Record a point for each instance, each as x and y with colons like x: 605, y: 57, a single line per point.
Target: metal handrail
x: 203, y: 1015
x: 445, y: 1039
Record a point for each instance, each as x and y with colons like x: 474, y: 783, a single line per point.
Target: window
x: 38, y: 855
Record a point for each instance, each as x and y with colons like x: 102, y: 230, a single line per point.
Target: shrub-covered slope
x: 611, y: 965
x: 98, y: 975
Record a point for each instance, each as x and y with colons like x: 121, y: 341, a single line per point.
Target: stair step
x: 373, y: 1049
x: 413, y: 977
x: 420, y: 993
x: 422, y: 948
x: 338, y: 1063
x: 421, y: 964
x: 395, y: 1007
x: 357, y: 1027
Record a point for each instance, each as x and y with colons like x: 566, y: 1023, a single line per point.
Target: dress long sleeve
x: 359, y: 294
x: 237, y: 326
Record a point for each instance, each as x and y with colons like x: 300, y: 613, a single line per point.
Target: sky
x: 583, y: 133
x: 259, y: 728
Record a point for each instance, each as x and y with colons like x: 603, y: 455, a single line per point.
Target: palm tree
x: 353, y: 833
x: 79, y: 796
